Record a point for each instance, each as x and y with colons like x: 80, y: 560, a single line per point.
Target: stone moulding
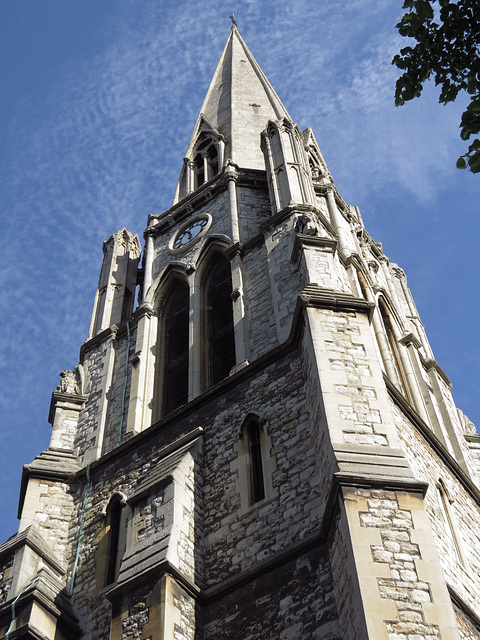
x: 44, y: 594
x: 319, y: 242
x: 315, y: 296
x: 153, y: 573
x: 30, y: 538
x: 65, y: 401
x: 461, y: 604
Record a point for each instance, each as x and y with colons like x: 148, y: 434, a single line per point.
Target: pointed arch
x: 218, y: 328
x: 204, y: 158
x: 115, y: 536
x: 251, y: 431
x: 173, y: 344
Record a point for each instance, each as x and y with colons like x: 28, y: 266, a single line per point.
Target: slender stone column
x: 337, y: 221
x: 232, y: 177
x: 239, y: 319
x: 148, y: 265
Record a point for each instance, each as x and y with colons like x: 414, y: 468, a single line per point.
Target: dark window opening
x: 114, y: 516
x: 206, y: 162
x: 221, y: 340
x: 256, y: 466
x: 176, y: 327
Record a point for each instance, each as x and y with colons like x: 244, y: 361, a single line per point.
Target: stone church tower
x: 265, y: 447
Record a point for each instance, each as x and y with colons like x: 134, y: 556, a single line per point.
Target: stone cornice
x: 72, y: 401
x: 153, y: 572
x: 302, y: 241
x: 408, y: 339
x: 193, y: 406
x: 91, y: 343
x: 51, y: 598
x: 315, y: 296
x: 186, y: 207
x: 53, y: 464
x: 143, y: 310
x: 433, y: 364
x: 30, y: 538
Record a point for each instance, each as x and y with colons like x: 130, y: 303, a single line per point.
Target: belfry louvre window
x: 220, y: 336
x: 176, y: 327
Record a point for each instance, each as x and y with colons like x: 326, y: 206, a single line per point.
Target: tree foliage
x: 447, y: 49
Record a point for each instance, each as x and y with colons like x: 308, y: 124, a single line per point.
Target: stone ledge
x: 315, y: 296
x: 53, y: 464
x: 319, y: 242
x: 29, y: 537
x: 49, y: 596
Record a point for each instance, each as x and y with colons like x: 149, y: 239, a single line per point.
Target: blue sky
x: 97, y: 106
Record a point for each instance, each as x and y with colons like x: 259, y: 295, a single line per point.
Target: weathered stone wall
x: 6, y: 576
x: 234, y: 543
x: 119, y: 392
x: 468, y: 629
x: 286, y: 280
x: 94, y: 365
x: 397, y: 549
x: 254, y: 209
x: 148, y: 520
x: 290, y: 602
x: 218, y: 208
x: 258, y: 303
x: 465, y: 511
x: 51, y: 507
x: 351, y: 624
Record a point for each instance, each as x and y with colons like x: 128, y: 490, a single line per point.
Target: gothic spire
x: 238, y: 105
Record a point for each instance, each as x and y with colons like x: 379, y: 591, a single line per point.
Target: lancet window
x: 195, y: 337
x: 175, y: 320
x: 113, y: 529
x: 257, y: 485
x: 220, y: 333
x: 446, y: 501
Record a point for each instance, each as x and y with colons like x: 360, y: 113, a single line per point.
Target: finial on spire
x: 234, y: 22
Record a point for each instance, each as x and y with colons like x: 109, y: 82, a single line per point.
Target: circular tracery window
x: 190, y: 232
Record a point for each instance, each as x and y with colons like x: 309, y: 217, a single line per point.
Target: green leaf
x: 474, y: 161
x: 461, y: 164
x: 424, y: 9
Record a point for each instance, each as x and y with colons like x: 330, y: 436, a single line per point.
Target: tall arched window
x: 220, y: 335
x: 114, y: 519
x: 257, y: 486
x: 175, y: 319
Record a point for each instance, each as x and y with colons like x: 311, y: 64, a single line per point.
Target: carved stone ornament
x: 307, y: 224
x: 72, y: 381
